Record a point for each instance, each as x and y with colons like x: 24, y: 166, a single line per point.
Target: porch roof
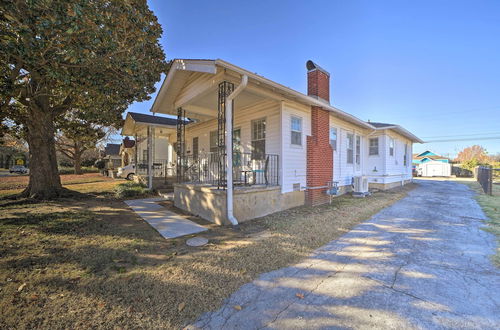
x: 172, y: 93
x: 135, y: 122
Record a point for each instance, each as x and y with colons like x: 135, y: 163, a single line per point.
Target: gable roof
x: 397, y: 128
x: 429, y: 155
x: 164, y: 100
x: 149, y: 119
x: 112, y: 149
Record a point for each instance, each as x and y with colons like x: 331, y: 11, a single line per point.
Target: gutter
x: 229, y: 148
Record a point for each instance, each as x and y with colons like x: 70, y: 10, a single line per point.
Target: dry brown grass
x: 94, y: 264
x: 85, y: 183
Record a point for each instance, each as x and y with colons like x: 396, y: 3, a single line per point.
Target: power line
x: 466, y: 139
x: 459, y: 135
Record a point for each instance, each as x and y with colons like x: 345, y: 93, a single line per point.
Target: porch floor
x: 168, y: 224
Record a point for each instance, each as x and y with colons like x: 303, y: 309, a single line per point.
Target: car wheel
x: 130, y: 176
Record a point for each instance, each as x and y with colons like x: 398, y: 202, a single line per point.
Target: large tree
x: 75, y: 137
x: 97, y: 56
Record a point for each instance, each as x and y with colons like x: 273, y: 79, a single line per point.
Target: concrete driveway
x: 421, y: 263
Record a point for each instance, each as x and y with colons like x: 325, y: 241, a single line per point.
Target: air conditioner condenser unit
x: 360, y: 186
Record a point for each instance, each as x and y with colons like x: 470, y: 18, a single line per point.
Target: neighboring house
x: 430, y: 164
x: 288, y: 148
x: 112, y: 157
x: 153, y: 136
x: 127, y: 151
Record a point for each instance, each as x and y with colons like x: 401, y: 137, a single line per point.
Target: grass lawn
x: 90, y: 183
x: 490, y: 206
x: 93, y: 263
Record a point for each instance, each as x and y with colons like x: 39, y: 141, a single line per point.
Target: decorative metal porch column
x: 181, y: 143
x: 225, y: 89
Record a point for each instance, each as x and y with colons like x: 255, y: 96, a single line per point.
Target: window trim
x: 334, y: 146
x: 405, y: 156
x: 357, y: 150
x: 370, y: 146
x: 210, y: 147
x: 295, y: 131
x: 350, y: 147
x: 264, y: 138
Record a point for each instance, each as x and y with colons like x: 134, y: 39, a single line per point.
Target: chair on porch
x: 262, y: 170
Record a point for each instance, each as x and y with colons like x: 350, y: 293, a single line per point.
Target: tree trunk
x: 77, y: 161
x: 44, y: 180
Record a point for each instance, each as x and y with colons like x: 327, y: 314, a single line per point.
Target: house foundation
x: 209, y: 203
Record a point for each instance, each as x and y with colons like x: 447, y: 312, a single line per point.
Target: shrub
x: 130, y: 189
x: 71, y: 170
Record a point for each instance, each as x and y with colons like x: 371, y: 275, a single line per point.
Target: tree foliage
x: 473, y: 156
x: 95, y: 56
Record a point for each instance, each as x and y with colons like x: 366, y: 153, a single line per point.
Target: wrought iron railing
x: 161, y: 168
x: 247, y: 171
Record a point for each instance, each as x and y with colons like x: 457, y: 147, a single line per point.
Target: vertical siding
x: 294, y: 166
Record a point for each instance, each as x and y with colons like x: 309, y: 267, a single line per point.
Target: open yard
x: 90, y: 183
x: 93, y: 263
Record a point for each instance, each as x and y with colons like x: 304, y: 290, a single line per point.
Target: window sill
x: 296, y: 146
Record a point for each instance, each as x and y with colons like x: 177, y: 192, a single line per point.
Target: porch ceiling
x: 205, y: 107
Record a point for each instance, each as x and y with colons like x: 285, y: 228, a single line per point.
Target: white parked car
x: 126, y: 172
x: 18, y: 169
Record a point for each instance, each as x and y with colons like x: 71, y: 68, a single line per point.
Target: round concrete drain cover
x: 197, y: 241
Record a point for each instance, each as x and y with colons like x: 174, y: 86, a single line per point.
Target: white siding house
x: 287, y: 149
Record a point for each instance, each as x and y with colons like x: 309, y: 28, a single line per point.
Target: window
x: 195, y: 147
x: 391, y: 146
x: 213, y: 141
x: 373, y: 148
x: 358, y: 150
x: 405, y: 157
x: 350, y: 148
x: 237, y: 140
x: 258, y: 138
x: 145, y: 155
x: 296, y: 128
x: 333, y: 138
x: 296, y: 187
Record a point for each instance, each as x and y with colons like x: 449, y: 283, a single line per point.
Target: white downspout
x: 150, y: 157
x: 229, y: 149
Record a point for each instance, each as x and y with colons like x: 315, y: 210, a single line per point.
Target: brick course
x: 319, y: 150
x: 319, y: 157
x: 318, y: 84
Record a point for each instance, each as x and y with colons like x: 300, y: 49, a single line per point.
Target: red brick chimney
x: 319, y: 150
x: 318, y: 82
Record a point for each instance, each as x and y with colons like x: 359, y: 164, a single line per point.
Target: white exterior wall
x: 294, y: 157
x: 390, y: 168
x: 161, y: 147
x: 343, y: 172
x: 381, y: 168
x: 242, y: 120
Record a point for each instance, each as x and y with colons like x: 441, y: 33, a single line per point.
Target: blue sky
x: 430, y: 66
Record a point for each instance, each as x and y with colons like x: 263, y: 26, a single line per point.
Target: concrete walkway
x: 168, y: 224
x: 421, y: 263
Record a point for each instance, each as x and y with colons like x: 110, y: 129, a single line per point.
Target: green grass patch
x: 130, y: 189
x: 491, y: 207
